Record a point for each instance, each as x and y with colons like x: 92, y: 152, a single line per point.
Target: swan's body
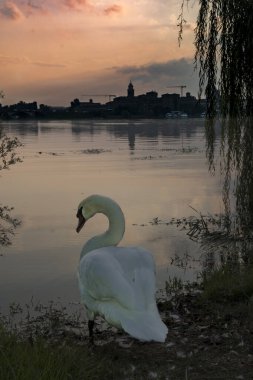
x: 118, y: 283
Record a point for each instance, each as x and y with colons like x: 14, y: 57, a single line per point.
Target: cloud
x: 114, y: 8
x: 17, y: 9
x: 78, y: 5
x: 85, y: 5
x: 170, y: 69
x: 45, y: 64
x: 8, y: 60
x: 160, y: 75
x: 9, y: 10
x: 32, y: 8
x: 14, y: 60
x: 21, y: 9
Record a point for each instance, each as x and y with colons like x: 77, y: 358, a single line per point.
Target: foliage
x: 224, y: 54
x: 8, y: 155
x: 8, y: 146
x: 7, y: 225
x: 224, y: 58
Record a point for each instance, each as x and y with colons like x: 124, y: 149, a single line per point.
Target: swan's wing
x: 122, y: 275
x: 103, y: 279
x: 119, y: 283
x: 139, y: 268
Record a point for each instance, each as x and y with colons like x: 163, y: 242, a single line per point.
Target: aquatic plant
x: 8, y: 157
x: 8, y: 224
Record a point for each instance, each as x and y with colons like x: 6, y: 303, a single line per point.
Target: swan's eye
x: 79, y: 213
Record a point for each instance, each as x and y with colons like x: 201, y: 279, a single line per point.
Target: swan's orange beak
x: 81, y: 221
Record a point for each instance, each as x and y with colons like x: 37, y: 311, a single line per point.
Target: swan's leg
x: 90, y: 326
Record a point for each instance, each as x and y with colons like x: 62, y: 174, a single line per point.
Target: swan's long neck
x: 115, y: 230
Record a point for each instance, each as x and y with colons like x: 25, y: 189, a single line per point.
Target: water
x: 151, y: 168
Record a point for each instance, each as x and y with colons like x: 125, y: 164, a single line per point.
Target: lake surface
x: 152, y: 168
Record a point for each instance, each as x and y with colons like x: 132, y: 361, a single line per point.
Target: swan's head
x: 87, y: 209
x: 81, y: 219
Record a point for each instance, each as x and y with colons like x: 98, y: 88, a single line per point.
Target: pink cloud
x: 85, y: 5
x: 17, y: 9
x: 6, y: 60
x: 78, y: 5
x: 10, y: 11
x: 32, y: 8
x: 45, y: 64
x: 114, y: 8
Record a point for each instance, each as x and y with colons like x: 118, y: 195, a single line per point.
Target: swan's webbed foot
x: 91, y: 336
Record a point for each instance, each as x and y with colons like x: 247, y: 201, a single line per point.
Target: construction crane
x: 106, y: 95
x: 181, y: 88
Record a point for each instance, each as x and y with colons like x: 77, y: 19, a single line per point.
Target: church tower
x: 130, y: 90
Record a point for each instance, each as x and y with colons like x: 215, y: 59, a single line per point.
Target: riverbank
x: 206, y: 340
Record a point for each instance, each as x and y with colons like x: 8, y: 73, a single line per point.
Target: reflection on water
x: 151, y: 168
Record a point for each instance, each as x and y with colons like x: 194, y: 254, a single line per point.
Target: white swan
x: 117, y: 283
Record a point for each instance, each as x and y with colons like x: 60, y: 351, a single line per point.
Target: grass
x: 43, y: 361
x: 229, y: 284
x: 48, y: 343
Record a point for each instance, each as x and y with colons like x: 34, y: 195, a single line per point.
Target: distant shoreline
x: 82, y: 117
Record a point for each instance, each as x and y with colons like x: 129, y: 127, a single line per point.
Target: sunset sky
x: 53, y: 51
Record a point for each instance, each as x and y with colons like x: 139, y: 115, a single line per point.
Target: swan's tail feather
x: 143, y: 325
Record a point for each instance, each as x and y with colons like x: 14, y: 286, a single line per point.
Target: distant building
x: 130, y: 90
x: 170, y: 102
x: 19, y: 110
x: 78, y: 106
x: 148, y: 105
x: 151, y: 105
x: 88, y: 109
x: 23, y: 106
